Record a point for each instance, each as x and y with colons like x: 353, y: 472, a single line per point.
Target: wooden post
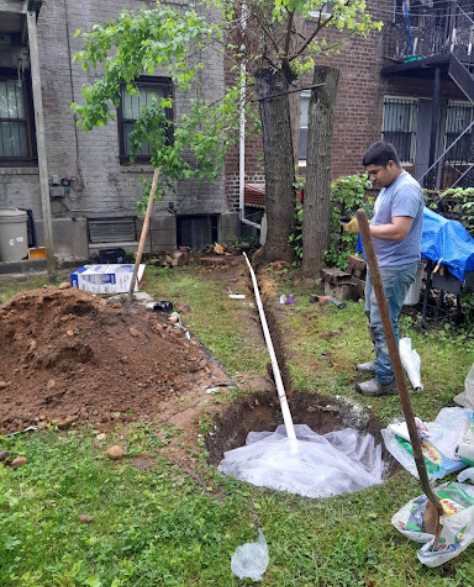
x: 41, y: 144
x: 141, y: 244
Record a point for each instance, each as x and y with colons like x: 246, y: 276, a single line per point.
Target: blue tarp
x: 446, y: 241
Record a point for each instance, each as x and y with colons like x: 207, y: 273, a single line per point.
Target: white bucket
x: 412, y: 296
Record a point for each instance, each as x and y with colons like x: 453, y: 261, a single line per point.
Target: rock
x: 32, y: 346
x: 66, y: 422
x: 115, y: 452
x: 133, y: 331
x: 19, y: 462
x: 51, y: 384
x: 4, y: 384
x: 101, y: 436
x: 85, y: 519
x: 173, y: 319
x: 42, y: 417
x: 117, y: 305
x: 64, y: 285
x: 70, y: 333
x: 4, y: 454
x: 124, y: 359
x: 42, y: 425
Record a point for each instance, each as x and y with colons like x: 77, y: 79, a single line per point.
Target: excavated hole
x: 261, y: 412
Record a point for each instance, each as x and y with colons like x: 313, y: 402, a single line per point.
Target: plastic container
x: 13, y: 234
x: 412, y: 296
x: 113, y: 256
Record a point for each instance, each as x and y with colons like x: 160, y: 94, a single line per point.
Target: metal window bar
x: 13, y: 126
x: 399, y: 124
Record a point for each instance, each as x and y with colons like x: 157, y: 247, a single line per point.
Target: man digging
x: 396, y: 231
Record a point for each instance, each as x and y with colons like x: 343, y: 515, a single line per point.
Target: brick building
x: 411, y: 84
x: 91, y: 187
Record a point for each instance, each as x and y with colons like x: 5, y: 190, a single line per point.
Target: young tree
x: 278, y: 51
x: 141, y: 43
x: 273, y: 50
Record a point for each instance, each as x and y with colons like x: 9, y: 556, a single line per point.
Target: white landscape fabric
x: 313, y: 466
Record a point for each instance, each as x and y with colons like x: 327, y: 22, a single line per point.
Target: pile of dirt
x: 70, y: 357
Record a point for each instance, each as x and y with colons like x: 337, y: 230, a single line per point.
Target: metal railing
x: 455, y: 166
x: 429, y: 32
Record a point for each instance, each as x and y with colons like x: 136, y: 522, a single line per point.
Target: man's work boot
x: 366, y: 367
x: 374, y: 388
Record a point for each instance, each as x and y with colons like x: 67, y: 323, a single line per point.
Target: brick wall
x: 101, y: 187
x: 359, y: 105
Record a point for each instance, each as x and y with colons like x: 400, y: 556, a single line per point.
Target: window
x: 325, y: 10
x: 459, y: 116
x: 304, y: 107
x: 130, y: 112
x: 16, y: 145
x: 399, y: 126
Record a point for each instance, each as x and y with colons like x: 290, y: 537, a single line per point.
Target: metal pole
x: 434, y: 121
x: 41, y: 144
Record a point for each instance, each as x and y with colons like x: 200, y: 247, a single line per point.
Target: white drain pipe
x: 287, y: 419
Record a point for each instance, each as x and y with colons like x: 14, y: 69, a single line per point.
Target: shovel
x: 434, y: 509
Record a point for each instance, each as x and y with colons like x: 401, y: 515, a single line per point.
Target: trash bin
x: 13, y: 234
x: 412, y: 296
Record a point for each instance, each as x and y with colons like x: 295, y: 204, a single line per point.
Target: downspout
x: 243, y: 71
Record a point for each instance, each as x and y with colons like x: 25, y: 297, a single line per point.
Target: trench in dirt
x: 259, y: 412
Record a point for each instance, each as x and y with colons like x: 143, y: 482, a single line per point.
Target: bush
x: 347, y: 193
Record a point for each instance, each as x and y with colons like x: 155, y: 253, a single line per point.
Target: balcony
x: 424, y: 37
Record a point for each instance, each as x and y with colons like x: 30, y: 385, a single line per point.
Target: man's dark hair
x: 380, y: 154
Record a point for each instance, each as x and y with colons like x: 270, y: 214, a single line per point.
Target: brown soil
x: 70, y: 357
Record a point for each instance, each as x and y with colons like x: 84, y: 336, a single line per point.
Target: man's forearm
x: 388, y: 232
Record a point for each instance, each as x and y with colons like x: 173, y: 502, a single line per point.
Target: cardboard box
x: 106, y: 278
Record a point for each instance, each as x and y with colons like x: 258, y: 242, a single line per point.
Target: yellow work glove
x: 351, y: 226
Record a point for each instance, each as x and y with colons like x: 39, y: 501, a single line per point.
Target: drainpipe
x: 285, y: 409
x: 243, y: 70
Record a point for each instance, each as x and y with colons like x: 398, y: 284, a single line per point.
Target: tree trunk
x: 280, y: 195
x: 317, y: 203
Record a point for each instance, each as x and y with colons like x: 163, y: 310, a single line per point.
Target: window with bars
x: 16, y: 145
x: 399, y: 126
x: 130, y: 111
x: 459, y: 116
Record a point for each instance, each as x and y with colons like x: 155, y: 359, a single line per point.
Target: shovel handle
x: 395, y: 358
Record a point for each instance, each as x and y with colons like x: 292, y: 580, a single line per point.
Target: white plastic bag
x: 411, y: 363
x: 466, y: 475
x: 250, y: 560
x: 458, y: 523
x: 466, y: 398
x: 439, y: 447
x: 314, y: 466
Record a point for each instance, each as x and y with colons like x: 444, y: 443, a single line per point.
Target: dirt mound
x: 69, y: 356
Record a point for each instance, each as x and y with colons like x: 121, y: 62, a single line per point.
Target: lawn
x: 164, y: 526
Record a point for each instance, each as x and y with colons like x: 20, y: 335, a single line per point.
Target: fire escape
x: 430, y: 40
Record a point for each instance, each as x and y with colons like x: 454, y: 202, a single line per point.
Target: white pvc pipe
x: 290, y: 429
x: 243, y: 70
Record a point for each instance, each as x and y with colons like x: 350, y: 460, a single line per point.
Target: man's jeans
x: 396, y: 283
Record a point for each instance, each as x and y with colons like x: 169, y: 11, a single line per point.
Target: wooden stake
x: 141, y: 244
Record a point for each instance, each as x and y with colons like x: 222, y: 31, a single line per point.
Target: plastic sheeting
x: 250, y: 561
x: 313, y: 466
x: 445, y: 240
x: 411, y: 362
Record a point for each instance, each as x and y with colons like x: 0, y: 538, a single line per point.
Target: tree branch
x: 321, y: 25
x: 289, y: 34
x: 266, y: 30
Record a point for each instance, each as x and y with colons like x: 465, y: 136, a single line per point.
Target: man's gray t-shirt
x: 404, y: 197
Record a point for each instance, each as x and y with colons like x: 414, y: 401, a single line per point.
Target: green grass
x: 161, y: 527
